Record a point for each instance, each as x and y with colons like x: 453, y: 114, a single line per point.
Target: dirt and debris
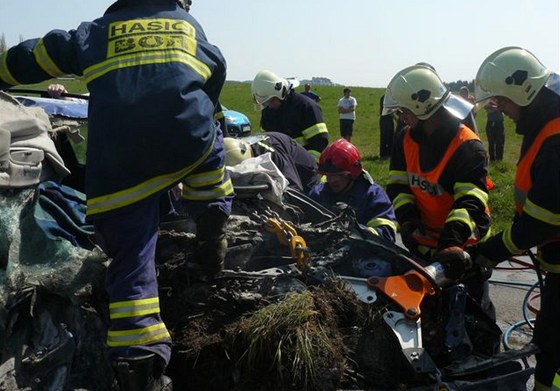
x: 262, y: 324
x: 278, y: 318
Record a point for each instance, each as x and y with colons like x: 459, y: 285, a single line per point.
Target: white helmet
x: 267, y: 85
x: 237, y: 151
x: 419, y: 89
x: 511, y: 72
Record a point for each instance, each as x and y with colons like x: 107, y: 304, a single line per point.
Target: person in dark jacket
x: 294, y: 162
x: 437, y: 174
x: 310, y: 94
x: 154, y: 82
x: 349, y: 183
x: 495, y: 131
x: 286, y: 111
x: 386, y: 132
x: 529, y: 93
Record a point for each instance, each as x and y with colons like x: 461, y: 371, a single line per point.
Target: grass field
x: 237, y: 96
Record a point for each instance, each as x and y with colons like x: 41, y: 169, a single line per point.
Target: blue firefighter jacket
x: 154, y: 81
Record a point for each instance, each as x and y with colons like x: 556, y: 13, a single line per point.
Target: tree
x: 3, y: 46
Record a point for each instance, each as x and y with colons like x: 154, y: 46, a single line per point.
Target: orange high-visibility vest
x: 523, y: 182
x: 433, y: 202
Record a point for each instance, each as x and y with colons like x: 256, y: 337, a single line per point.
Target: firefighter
x: 437, y: 173
x: 528, y: 92
x: 347, y: 182
x: 154, y: 81
x: 286, y: 111
x: 294, y: 162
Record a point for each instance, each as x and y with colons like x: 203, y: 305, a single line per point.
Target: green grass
x: 237, y: 96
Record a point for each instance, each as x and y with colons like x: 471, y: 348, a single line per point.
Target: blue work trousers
x: 129, y: 238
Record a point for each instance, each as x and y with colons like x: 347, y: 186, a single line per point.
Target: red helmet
x: 340, y: 157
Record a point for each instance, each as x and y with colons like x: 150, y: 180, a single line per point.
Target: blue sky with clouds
x: 352, y: 42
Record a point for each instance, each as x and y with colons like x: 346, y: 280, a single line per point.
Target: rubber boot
x: 211, y: 245
x: 141, y: 373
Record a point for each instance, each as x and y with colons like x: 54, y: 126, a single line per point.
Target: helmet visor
x: 261, y: 102
x: 553, y: 83
x: 293, y: 83
x: 480, y: 95
x: 457, y: 106
x: 389, y: 105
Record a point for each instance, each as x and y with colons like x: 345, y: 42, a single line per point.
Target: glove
x: 407, y: 236
x: 455, y: 262
x: 481, y: 259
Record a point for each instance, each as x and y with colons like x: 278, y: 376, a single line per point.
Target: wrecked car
x: 308, y: 300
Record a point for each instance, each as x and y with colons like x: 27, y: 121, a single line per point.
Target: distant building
x: 319, y: 81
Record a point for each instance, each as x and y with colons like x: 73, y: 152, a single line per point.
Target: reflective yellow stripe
x: 136, y: 193
x: 403, y: 199
x: 463, y: 216
x: 140, y: 336
x: 142, y: 190
x: 5, y: 74
x: 126, y: 309
x: 219, y: 115
x: 265, y: 146
x: 314, y: 130
x: 153, y: 57
x: 541, y: 213
x: 203, y: 195
x: 508, y: 242
x: 380, y: 221
x: 45, y: 61
x: 397, y: 178
x: 549, y: 267
x: 373, y: 231
x: 556, y: 381
x: 203, y: 179
x: 301, y: 141
x: 464, y: 189
x: 487, y: 236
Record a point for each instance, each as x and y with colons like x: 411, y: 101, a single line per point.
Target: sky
x: 352, y: 42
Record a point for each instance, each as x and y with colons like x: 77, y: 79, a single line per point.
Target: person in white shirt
x: 347, y: 111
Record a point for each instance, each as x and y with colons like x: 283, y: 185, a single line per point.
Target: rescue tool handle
x: 407, y: 290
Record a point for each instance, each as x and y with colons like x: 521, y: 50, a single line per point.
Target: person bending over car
x: 294, y: 162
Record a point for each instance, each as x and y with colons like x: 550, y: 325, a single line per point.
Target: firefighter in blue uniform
x: 154, y: 82
x: 286, y: 111
x: 294, y: 162
x: 529, y: 93
x: 349, y: 183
